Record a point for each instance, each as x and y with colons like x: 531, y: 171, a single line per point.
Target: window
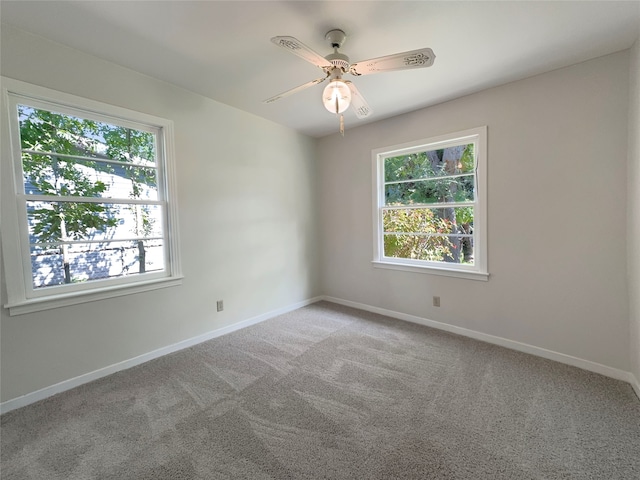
x: 89, y: 212
x: 430, y: 205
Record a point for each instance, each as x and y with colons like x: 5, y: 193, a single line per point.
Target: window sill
x: 56, y: 301
x: 446, y: 272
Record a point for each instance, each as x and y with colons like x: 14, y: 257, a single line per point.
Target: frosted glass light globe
x: 336, y: 96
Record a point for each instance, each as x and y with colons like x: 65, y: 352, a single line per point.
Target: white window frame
x: 22, y: 296
x: 477, y: 271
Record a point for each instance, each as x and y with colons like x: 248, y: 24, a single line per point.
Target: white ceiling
x: 222, y: 50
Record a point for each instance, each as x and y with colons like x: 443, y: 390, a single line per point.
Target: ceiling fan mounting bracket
x: 336, y: 37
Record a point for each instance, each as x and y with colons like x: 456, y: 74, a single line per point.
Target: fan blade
x: 421, y: 58
x: 295, y: 90
x: 298, y: 48
x: 360, y: 105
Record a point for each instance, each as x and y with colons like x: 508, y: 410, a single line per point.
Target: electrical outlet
x: 436, y: 301
x: 220, y: 305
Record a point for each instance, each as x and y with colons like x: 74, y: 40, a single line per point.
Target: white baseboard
x: 635, y: 383
x: 503, y: 342
x: 132, y: 362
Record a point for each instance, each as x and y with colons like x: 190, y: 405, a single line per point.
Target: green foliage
x: 408, y: 167
x: 467, y: 160
x: 125, y: 144
x: 426, y: 192
x: 52, y: 132
x: 73, y: 221
x: 420, y: 234
x: 421, y: 178
x: 464, y: 215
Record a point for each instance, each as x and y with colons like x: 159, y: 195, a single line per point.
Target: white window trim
x: 479, y: 270
x: 21, y: 296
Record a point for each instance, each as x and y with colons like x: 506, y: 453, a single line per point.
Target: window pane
x: 431, y: 163
x: 432, y: 248
x: 433, y: 234
x: 459, y: 189
x: 52, y: 222
x: 46, y: 131
x: 78, y: 263
x: 59, y: 176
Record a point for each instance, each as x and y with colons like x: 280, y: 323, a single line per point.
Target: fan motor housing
x: 339, y: 60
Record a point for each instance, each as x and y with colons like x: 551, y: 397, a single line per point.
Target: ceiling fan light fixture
x: 336, y: 96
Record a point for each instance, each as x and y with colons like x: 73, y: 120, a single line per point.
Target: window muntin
x: 430, y: 204
x: 92, y: 197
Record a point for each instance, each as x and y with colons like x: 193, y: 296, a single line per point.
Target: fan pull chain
x: 341, y: 117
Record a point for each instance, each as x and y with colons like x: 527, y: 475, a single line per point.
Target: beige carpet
x: 329, y: 392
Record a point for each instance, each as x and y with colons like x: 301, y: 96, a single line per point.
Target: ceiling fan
x: 339, y: 94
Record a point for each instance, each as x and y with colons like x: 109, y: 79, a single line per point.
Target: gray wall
x: 247, y: 225
x: 633, y: 235
x: 557, y: 150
